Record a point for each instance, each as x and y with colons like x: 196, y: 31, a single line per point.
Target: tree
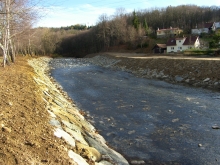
x: 135, y: 20
x: 146, y: 28
x: 215, y: 43
x: 16, y: 17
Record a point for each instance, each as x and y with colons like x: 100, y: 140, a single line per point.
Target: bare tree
x: 16, y: 17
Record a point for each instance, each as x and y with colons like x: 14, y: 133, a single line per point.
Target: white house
x: 168, y: 32
x: 217, y: 25
x: 180, y: 44
x: 208, y: 27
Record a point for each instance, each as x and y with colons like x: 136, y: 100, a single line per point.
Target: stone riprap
x: 86, y: 146
x: 197, y: 72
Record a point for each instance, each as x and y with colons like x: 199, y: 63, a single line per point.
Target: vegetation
x: 16, y: 17
x: 135, y: 30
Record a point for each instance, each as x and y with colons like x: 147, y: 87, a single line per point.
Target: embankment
x: 86, y: 146
x: 191, y: 71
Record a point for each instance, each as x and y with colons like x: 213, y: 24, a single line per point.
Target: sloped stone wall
x: 86, y: 145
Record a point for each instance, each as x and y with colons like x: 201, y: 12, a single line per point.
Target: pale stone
x: 103, y: 163
x: 60, y: 133
x: 76, y: 135
x: 137, y: 162
x: 51, y: 114
x: 55, y: 123
x: 77, y: 158
x: 207, y: 79
x: 88, y: 152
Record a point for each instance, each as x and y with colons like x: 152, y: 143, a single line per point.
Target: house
x: 217, y: 26
x: 180, y: 44
x: 171, y: 32
x: 160, y: 48
x: 207, y: 28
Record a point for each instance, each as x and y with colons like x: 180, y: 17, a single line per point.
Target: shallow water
x: 145, y: 119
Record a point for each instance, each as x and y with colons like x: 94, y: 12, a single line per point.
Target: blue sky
x: 57, y: 13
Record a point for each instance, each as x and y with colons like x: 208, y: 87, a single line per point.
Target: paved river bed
x: 148, y: 121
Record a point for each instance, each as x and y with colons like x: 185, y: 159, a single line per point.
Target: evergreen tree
x: 135, y: 20
x: 146, y: 28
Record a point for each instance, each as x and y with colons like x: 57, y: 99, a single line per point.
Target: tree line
x: 132, y: 30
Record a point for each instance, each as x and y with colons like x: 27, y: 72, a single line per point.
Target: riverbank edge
x: 193, y: 71
x: 69, y: 123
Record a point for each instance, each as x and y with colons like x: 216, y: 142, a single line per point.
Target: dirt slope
x: 25, y: 135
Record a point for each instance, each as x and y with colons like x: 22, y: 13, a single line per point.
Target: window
x: 172, y: 48
x: 179, y: 40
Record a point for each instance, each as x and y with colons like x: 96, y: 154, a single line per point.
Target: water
x: 145, y: 119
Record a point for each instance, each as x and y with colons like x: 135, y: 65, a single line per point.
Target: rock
x: 216, y: 83
x: 115, y: 157
x: 206, y: 80
x: 55, y: 123
x: 88, y: 152
x: 60, y: 133
x: 175, y: 120
x: 51, y: 114
x: 137, y: 162
x: 77, y: 158
x: 178, y: 79
x: 187, y: 80
x: 131, y: 132
x: 6, y: 129
x: 199, y: 145
x: 215, y: 127
x: 103, y: 163
x: 76, y: 135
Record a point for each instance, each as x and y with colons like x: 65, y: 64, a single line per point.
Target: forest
x: 130, y: 31
x: 135, y: 30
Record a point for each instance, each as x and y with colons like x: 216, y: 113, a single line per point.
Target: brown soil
x: 26, y: 137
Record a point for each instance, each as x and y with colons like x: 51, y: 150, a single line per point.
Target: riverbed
x: 148, y: 121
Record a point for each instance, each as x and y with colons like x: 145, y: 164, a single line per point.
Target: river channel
x: 145, y: 120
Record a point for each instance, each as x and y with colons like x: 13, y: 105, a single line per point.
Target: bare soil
x: 26, y: 137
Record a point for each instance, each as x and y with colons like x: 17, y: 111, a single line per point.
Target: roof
x: 190, y: 40
x: 171, y: 42
x: 208, y: 24
x: 163, y: 46
x: 168, y: 29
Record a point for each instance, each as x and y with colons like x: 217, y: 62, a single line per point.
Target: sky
x: 61, y: 13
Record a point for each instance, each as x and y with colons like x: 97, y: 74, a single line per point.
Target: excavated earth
x: 26, y: 137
